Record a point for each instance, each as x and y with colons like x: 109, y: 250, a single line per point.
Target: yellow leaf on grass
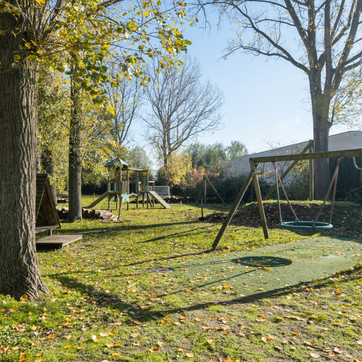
x: 67, y: 346
x: 154, y: 349
x: 210, y: 341
x: 110, y: 345
x: 22, y: 357
x: 269, y: 338
x: 24, y: 297
x: 190, y: 355
x: 116, y: 354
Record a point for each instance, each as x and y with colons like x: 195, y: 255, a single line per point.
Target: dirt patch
x: 346, y: 217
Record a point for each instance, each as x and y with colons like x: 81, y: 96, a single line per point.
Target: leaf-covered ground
x: 116, y: 296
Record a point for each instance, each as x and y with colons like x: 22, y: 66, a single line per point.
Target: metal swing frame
x: 253, y: 176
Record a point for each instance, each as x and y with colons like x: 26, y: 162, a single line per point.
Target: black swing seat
x: 306, y: 226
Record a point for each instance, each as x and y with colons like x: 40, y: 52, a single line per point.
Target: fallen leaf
x: 190, y: 355
x: 338, y: 350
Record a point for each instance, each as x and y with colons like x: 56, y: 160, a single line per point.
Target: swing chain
x: 334, y: 184
x: 279, y: 181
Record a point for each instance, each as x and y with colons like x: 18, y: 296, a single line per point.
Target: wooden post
x: 205, y: 190
x: 259, y: 198
x: 120, y: 206
x: 109, y: 188
x: 202, y: 209
x: 232, y: 211
x: 213, y: 187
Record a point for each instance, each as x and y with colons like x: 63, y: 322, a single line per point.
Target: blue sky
x: 266, y: 100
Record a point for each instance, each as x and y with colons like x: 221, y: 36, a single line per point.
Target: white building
x: 342, y: 141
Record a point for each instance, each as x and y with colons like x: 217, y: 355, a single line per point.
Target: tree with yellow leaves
x: 58, y: 31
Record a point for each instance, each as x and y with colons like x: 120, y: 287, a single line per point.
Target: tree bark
x: 19, y: 268
x: 320, y: 112
x: 75, y: 157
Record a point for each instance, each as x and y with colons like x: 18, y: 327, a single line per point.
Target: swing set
x: 299, y: 226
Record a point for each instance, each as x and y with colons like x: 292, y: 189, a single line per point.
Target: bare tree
x: 124, y: 101
x: 319, y: 37
x: 182, y: 107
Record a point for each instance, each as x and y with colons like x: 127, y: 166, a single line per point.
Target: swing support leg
x: 259, y: 198
x: 232, y: 210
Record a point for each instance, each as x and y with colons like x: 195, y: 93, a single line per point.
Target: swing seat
x: 306, y: 227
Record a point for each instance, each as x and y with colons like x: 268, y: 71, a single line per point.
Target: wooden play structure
x: 47, y: 218
x: 253, y: 176
x: 119, y: 186
x: 203, y: 198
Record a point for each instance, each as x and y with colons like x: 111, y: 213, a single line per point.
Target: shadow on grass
x: 114, y: 229
x: 167, y: 258
x: 262, y: 261
x: 258, y: 262
x: 114, y: 301
x: 182, y: 233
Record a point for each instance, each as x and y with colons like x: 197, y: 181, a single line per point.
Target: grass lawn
x: 147, y: 288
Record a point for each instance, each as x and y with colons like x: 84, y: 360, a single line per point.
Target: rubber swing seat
x: 306, y: 227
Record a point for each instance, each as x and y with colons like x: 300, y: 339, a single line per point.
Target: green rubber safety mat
x: 273, y: 267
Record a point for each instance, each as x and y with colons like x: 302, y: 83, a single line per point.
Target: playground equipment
x: 47, y: 216
x: 118, y: 186
x: 307, y: 227
x: 203, y: 199
x: 253, y: 176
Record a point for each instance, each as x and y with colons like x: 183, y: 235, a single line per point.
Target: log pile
x: 88, y: 214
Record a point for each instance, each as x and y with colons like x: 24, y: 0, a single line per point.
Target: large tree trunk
x: 75, y: 157
x: 19, y: 268
x: 320, y: 111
